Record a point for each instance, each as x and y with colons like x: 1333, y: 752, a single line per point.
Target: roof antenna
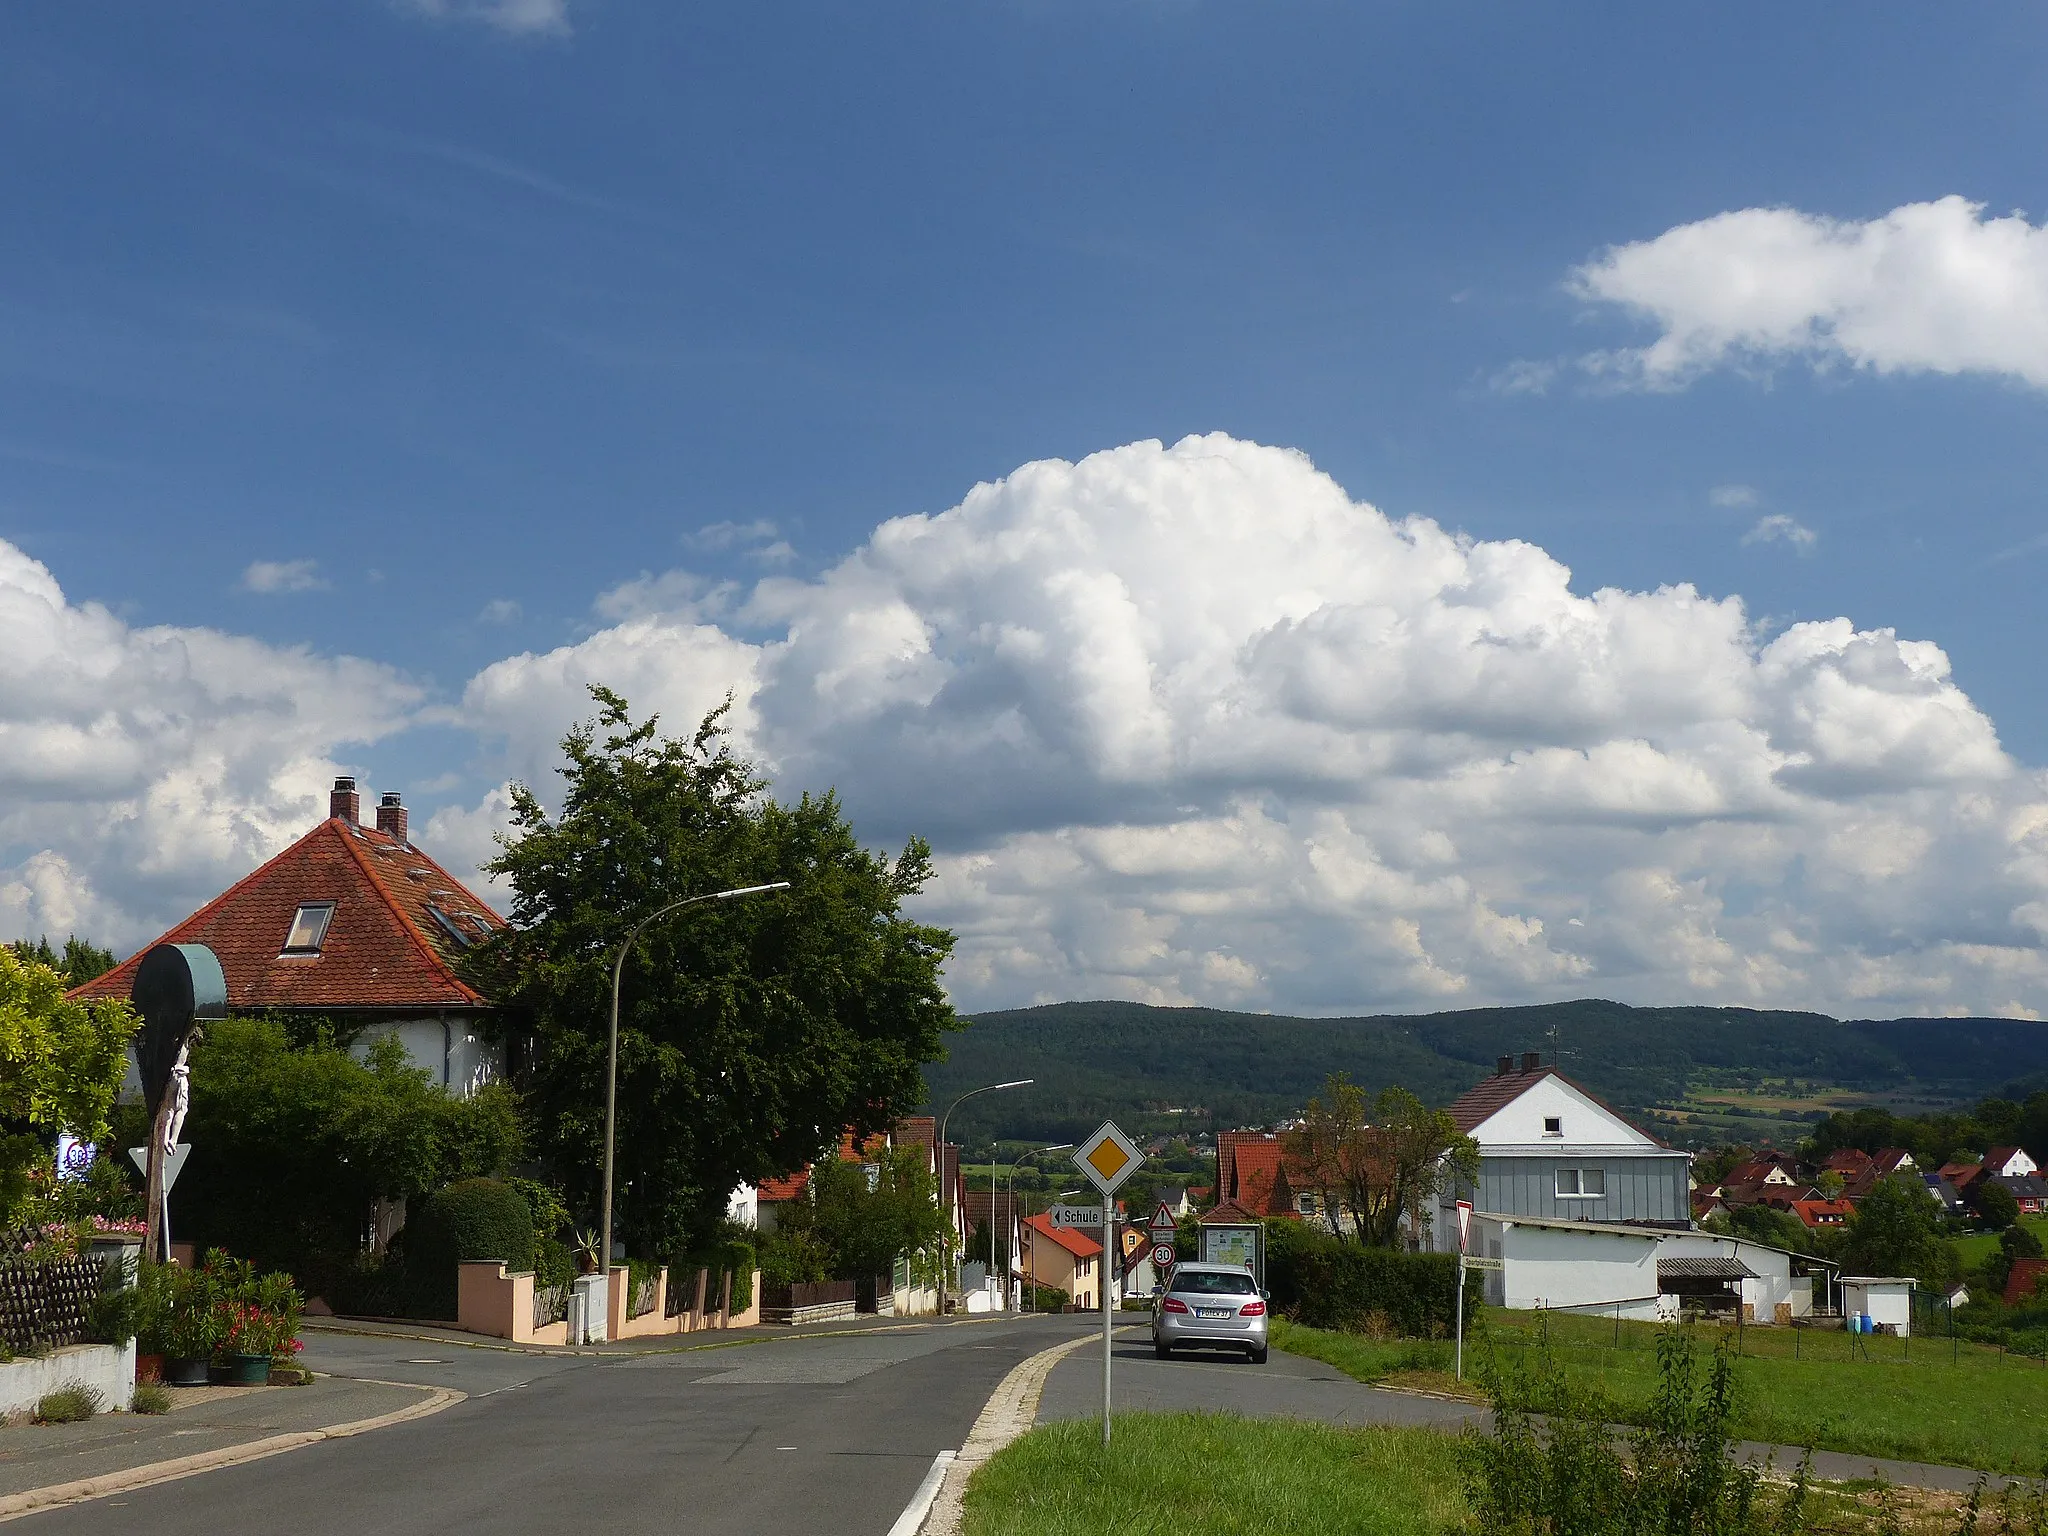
x: 1556, y: 1051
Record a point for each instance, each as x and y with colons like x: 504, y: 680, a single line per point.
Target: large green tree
x: 1379, y: 1158
x: 1897, y: 1231
x: 753, y: 1033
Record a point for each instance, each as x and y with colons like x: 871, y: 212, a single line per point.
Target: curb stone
x: 1010, y: 1411
x: 13, y: 1506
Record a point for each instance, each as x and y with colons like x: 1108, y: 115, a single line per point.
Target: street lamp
x: 611, y: 1077
x: 939, y: 1151
x: 1063, y: 1146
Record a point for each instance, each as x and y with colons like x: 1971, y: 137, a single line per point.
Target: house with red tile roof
x: 1063, y: 1258
x: 1252, y: 1172
x: 2026, y: 1282
x: 1817, y: 1214
x: 2011, y: 1162
x: 358, y: 924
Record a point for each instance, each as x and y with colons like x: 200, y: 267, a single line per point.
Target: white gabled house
x: 1551, y: 1150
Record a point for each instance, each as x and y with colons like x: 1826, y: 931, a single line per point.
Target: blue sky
x: 484, y: 319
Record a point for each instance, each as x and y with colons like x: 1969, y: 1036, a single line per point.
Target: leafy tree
x: 1764, y: 1224
x: 61, y: 1064
x: 291, y: 1145
x: 77, y: 962
x: 752, y: 1034
x: 1897, y: 1231
x: 1999, y: 1207
x: 1380, y: 1158
x: 866, y: 1215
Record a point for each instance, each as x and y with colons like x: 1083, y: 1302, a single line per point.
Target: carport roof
x: 1700, y: 1268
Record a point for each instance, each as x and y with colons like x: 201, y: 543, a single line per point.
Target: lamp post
x: 1019, y: 1226
x: 939, y: 1152
x: 611, y: 1074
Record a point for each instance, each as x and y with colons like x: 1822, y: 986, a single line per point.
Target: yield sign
x: 1464, y: 1222
x: 174, y: 1162
x: 1162, y: 1220
x: 1108, y: 1158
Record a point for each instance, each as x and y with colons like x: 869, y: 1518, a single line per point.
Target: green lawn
x: 1975, y: 1250
x: 1193, y: 1474
x: 1877, y: 1397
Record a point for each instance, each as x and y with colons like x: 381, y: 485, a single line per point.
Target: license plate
x: 1212, y: 1311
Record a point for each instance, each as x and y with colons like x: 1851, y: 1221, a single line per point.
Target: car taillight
x: 1252, y: 1309
x: 1173, y: 1304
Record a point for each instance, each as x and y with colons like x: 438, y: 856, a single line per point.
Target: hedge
x: 1337, y: 1283
x: 470, y: 1219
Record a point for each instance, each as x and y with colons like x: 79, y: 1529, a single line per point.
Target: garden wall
x: 107, y: 1368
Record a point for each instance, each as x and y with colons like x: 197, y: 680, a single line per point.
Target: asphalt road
x: 827, y: 1434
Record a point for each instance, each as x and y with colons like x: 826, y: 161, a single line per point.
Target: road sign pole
x: 1461, y: 1317
x: 1108, y: 1203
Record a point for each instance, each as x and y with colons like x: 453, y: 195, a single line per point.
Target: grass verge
x: 1966, y: 1406
x: 1207, y: 1474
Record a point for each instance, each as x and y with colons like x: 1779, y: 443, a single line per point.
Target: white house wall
x: 1584, y: 1271
x: 453, y: 1054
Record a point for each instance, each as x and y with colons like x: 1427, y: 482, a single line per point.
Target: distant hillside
x: 1137, y: 1063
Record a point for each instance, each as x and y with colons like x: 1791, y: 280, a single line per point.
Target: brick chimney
x: 391, y: 817
x: 345, y: 802
x: 1532, y: 1061
x: 1504, y: 1066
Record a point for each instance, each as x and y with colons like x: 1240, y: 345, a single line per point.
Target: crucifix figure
x: 175, y: 987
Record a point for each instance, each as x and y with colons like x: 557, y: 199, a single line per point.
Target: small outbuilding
x: 1887, y: 1300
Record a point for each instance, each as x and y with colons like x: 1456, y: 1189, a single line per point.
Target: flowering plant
x: 114, y: 1226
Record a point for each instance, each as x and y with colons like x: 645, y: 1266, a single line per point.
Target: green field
x: 1976, y: 1249
x: 1915, y: 1400
x: 1218, y: 1475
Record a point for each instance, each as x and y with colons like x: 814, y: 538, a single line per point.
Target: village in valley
x: 1028, y: 768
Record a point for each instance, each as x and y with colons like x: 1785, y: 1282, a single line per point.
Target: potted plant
x: 190, y: 1330
x: 250, y: 1335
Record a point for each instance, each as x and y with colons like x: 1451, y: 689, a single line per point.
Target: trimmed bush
x: 1331, y: 1282
x: 468, y: 1220
x: 68, y: 1405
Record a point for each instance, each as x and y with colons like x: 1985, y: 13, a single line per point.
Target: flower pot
x: 245, y: 1370
x: 149, y: 1367
x: 184, y: 1371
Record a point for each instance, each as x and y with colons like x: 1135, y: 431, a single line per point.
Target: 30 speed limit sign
x: 1162, y: 1255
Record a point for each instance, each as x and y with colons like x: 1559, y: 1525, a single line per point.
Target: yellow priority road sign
x: 1108, y: 1158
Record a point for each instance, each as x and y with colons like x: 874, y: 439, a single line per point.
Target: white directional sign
x: 1076, y: 1215
x: 1108, y: 1158
x: 1478, y: 1263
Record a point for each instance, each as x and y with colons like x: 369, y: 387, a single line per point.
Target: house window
x: 309, y: 928
x: 1581, y: 1183
x: 448, y: 926
x: 1306, y: 1204
x: 1553, y: 1125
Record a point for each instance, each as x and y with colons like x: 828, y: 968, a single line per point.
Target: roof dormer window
x: 450, y: 927
x: 309, y: 928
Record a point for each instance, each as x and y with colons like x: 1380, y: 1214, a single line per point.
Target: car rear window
x: 1209, y: 1283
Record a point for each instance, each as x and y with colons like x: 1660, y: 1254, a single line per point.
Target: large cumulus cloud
x: 144, y: 769
x: 1189, y: 723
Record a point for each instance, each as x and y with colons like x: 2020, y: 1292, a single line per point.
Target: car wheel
x: 1162, y: 1351
x: 1256, y: 1356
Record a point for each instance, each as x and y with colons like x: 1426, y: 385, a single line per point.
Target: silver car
x: 1219, y: 1306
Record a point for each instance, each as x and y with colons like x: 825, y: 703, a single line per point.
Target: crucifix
x: 176, y: 986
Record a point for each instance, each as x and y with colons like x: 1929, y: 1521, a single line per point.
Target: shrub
x: 69, y: 1405
x: 468, y: 1220
x: 150, y: 1397
x: 1330, y: 1282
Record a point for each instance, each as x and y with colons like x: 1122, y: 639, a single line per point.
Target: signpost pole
x: 1108, y: 1258
x: 1464, y: 1227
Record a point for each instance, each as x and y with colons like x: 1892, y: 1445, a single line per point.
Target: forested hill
x: 1136, y: 1063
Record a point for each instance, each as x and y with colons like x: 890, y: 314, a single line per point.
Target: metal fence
x: 809, y: 1294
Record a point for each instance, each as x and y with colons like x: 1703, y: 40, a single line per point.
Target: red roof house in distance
x: 355, y: 923
x: 1251, y: 1171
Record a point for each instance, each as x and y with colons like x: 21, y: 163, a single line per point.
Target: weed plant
x: 150, y: 1397
x: 69, y: 1405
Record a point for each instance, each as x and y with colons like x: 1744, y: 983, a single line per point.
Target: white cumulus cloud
x: 1188, y: 723
x: 1934, y: 287
x: 144, y: 769
x: 282, y: 576
x: 520, y: 18
x: 1778, y: 528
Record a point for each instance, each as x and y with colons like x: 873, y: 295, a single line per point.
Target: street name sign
x: 1479, y: 1263
x: 1108, y: 1158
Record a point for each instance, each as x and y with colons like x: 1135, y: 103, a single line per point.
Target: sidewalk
x: 39, y: 1456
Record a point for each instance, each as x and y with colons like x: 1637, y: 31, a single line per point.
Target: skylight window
x: 309, y: 928
x: 450, y: 927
